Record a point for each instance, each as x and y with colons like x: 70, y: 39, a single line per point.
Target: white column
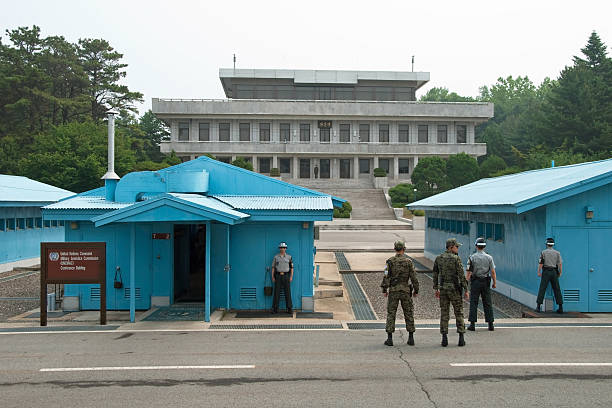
x: 356, y: 167
x: 275, y: 161
x: 375, y: 162
x: 395, y: 168
x: 296, y: 167
x: 255, y: 164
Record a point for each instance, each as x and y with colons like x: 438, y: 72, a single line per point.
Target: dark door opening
x: 345, y: 168
x: 189, y: 262
x: 325, y: 168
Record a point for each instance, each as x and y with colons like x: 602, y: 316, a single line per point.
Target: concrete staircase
x: 368, y: 204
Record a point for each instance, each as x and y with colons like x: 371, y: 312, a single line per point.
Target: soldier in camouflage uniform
x: 449, y: 284
x: 400, y: 284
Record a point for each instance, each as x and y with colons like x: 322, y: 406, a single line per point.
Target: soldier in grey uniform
x: 399, y: 285
x: 449, y: 284
x: 282, y: 275
x: 552, y: 265
x: 481, y: 271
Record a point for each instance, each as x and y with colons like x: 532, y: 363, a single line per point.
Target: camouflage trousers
x: 446, y: 299
x: 393, y: 300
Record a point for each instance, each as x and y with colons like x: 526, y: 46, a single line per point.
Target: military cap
x: 399, y: 245
x: 451, y: 242
x: 481, y: 242
x: 550, y: 241
x: 282, y: 245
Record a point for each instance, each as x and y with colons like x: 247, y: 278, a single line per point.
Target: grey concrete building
x: 335, y: 126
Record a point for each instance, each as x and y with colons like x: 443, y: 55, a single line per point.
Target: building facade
x: 516, y: 213
x: 328, y: 125
x: 22, y: 227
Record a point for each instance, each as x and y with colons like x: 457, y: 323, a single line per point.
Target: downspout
x: 133, y: 273
x: 227, y: 266
x: 207, y: 282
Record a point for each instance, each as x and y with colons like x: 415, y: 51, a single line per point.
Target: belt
x: 479, y: 278
x: 281, y: 273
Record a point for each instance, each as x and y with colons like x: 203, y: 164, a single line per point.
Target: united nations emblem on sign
x: 53, y: 256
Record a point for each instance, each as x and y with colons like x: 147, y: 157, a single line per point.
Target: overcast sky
x: 175, y: 48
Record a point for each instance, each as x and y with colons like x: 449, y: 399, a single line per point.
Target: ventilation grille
x: 248, y: 293
x: 571, y: 295
x: 604, y: 295
x: 94, y: 293
x: 126, y: 293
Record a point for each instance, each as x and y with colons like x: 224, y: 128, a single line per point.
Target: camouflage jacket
x: 400, y: 275
x: 448, y: 273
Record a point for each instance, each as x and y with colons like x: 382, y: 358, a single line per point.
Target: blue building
x: 516, y: 213
x: 21, y: 224
x: 202, y: 231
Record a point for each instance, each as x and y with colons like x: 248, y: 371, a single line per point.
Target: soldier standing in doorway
x: 481, y: 270
x: 399, y: 285
x: 449, y: 284
x: 282, y: 275
x: 551, y: 262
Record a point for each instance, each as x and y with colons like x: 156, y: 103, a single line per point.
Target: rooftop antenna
x: 413, y: 63
x: 234, y: 62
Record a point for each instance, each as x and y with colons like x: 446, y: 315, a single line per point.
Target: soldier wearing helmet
x: 282, y: 275
x: 399, y: 285
x: 481, y: 271
x: 550, y: 268
x: 449, y: 285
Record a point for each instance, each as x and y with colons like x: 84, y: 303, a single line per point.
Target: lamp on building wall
x: 588, y: 214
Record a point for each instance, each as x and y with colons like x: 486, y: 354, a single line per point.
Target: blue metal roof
x: 517, y: 193
x: 18, y: 189
x: 86, y: 203
x: 252, y: 202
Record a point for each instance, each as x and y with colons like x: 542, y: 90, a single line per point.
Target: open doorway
x: 189, y: 262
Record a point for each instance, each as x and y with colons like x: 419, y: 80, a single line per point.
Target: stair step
x: 324, y: 282
x: 327, y: 293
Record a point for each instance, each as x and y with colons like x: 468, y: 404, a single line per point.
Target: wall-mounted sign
x: 325, y: 124
x: 161, y: 235
x: 72, y: 262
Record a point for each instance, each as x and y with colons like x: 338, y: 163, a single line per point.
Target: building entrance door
x: 304, y: 168
x: 600, y: 271
x: 189, y: 262
x: 325, y: 169
x: 345, y: 168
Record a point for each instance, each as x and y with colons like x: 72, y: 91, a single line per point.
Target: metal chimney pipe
x: 111, y: 178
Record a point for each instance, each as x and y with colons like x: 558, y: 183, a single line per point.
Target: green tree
x: 461, y: 169
x: 155, y: 131
x: 402, y: 194
x: 441, y: 94
x: 243, y: 163
x: 429, y: 176
x: 491, y: 165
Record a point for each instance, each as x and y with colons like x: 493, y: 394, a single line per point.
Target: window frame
x: 222, y: 130
x: 383, y: 134
x: 200, y: 129
x: 263, y: 131
x: 244, y: 130
x: 419, y: 128
x: 182, y: 127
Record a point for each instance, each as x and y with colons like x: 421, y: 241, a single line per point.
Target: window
x: 264, y: 132
x: 245, y: 92
x: 304, y: 168
x: 481, y: 229
x: 285, y: 92
x: 2, y: 224
x: 285, y: 165
x: 53, y: 223
x: 20, y: 223
x: 461, y: 133
x: 423, y: 130
x: 324, y: 93
x: 265, y: 92
x: 10, y: 224
x: 442, y: 134
x: 364, y: 93
x: 304, y: 132
x: 204, y: 135
x: 60, y: 223
x: 285, y: 132
x: 244, y: 132
x: 344, y: 94
x: 364, y: 166
x: 498, y: 234
x: 183, y: 131
x: 452, y: 226
x: 404, y: 94
x: 324, y: 135
x: 345, y: 133
x: 364, y: 133
x: 29, y: 223
x: 224, y: 132
x: 305, y: 92
x: 404, y: 132
x: 383, y: 133
x: 404, y: 166
x: 264, y: 164
x: 384, y: 93
x: 47, y: 223
x: 384, y: 164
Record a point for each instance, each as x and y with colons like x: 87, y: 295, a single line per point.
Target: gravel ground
x: 28, y: 286
x: 426, y: 306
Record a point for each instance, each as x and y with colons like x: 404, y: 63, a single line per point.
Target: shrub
x: 344, y: 212
x: 243, y: 163
x: 418, y: 213
x: 274, y: 172
x: 402, y: 194
x: 378, y: 172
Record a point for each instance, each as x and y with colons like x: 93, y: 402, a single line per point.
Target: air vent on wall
x: 571, y: 295
x: 604, y: 295
x: 248, y: 293
x: 94, y: 293
x: 126, y: 293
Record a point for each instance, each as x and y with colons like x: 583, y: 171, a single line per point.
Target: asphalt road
x: 306, y: 368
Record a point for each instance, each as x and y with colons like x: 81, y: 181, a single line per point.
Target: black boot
x: 537, y: 309
x: 472, y: 326
x: 491, y: 328
x: 410, y: 339
x: 461, y: 340
x: 444, y: 340
x: 389, y: 341
x: 560, y: 309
